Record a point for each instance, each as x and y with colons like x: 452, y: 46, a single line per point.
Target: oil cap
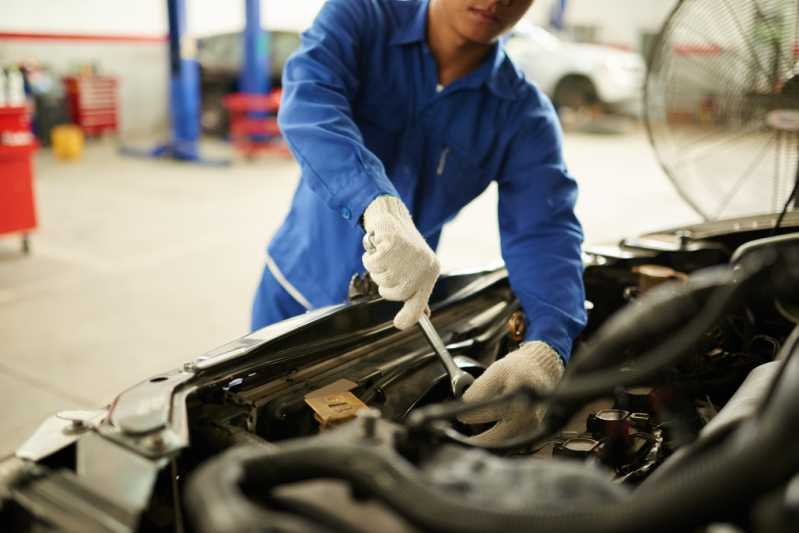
x: 579, y: 448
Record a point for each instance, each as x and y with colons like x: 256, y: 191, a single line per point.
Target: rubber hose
x: 688, y: 499
x: 729, y: 479
x: 663, y: 309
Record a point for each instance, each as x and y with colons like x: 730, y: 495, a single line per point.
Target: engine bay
x: 337, y: 421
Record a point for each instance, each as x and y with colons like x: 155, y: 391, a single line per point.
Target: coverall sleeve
x: 320, y: 82
x: 540, y: 235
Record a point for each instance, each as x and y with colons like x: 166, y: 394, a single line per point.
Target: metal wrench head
x: 460, y: 382
x: 459, y: 379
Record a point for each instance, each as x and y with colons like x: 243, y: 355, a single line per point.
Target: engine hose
x: 578, y: 387
x: 688, y: 499
x: 215, y: 502
x: 705, y: 299
x: 708, y: 444
x: 730, y: 479
x: 575, y: 388
x: 661, y: 310
x: 672, y: 304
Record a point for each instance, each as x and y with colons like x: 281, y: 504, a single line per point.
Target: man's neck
x: 456, y: 57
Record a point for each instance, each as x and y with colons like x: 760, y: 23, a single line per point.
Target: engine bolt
x: 369, y: 418
x: 155, y: 442
x: 516, y: 326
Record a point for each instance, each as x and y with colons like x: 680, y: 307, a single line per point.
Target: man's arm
x: 541, y: 240
x: 540, y: 234
x: 320, y: 82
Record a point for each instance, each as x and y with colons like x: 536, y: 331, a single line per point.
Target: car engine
x: 677, y: 412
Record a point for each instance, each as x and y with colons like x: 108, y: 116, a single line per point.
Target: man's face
x: 483, y: 21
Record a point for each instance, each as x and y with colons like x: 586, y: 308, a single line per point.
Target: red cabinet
x: 93, y: 103
x: 17, y: 205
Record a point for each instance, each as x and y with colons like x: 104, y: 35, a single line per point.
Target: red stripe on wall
x: 82, y: 37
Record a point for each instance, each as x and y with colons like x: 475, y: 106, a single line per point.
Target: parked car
x: 220, y: 57
x: 578, y: 75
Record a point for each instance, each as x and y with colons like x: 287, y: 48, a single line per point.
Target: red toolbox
x: 17, y: 204
x: 93, y: 103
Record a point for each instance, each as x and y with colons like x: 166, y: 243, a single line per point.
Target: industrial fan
x: 722, y: 104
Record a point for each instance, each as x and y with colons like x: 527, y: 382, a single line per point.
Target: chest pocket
x: 459, y: 178
x: 380, y: 109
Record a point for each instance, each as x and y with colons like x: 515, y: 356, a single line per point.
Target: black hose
x: 450, y: 410
x: 215, y: 502
x: 724, y: 286
x: 789, y: 350
x: 704, y: 446
x: 659, y: 311
x: 791, y: 198
x: 725, y: 482
x: 529, y: 442
x: 576, y: 387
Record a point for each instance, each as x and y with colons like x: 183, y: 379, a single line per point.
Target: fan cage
x: 722, y: 104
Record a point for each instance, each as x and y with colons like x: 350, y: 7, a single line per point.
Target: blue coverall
x: 364, y: 116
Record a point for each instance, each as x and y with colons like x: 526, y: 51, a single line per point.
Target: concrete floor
x: 139, y: 265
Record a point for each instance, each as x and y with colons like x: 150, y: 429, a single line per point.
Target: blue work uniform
x: 364, y: 116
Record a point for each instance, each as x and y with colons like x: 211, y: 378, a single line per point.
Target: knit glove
x: 534, y: 364
x: 398, y: 258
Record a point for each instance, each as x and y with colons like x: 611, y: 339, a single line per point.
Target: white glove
x: 398, y: 258
x: 534, y: 364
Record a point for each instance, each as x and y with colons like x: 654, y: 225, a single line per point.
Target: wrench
x: 459, y: 379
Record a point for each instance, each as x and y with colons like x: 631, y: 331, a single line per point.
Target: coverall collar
x: 500, y: 77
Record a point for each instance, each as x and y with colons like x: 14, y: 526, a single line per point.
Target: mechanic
x: 400, y: 112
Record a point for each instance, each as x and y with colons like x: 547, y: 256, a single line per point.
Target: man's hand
x: 398, y: 258
x: 534, y: 364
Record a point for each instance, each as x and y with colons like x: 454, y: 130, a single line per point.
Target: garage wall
x: 139, y: 66
x: 114, y: 17
x: 126, y: 39
x: 147, y: 17
x: 620, y: 22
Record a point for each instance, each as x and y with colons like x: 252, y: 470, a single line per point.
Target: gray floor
x: 139, y: 265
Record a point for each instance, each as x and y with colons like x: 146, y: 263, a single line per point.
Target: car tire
x: 577, y: 103
x: 214, y: 117
x: 576, y: 93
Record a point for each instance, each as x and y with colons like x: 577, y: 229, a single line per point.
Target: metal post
x: 184, y: 85
x: 556, y: 18
x: 184, y: 94
x: 254, y: 77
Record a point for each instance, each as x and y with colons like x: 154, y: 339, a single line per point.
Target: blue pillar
x: 184, y: 94
x: 254, y: 77
x: 556, y: 20
x: 184, y: 85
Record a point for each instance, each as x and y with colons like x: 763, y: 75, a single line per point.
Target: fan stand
x: 790, y: 96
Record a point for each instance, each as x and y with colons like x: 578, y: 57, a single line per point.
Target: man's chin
x: 483, y: 38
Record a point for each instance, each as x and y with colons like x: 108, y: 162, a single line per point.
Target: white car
x: 578, y: 75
